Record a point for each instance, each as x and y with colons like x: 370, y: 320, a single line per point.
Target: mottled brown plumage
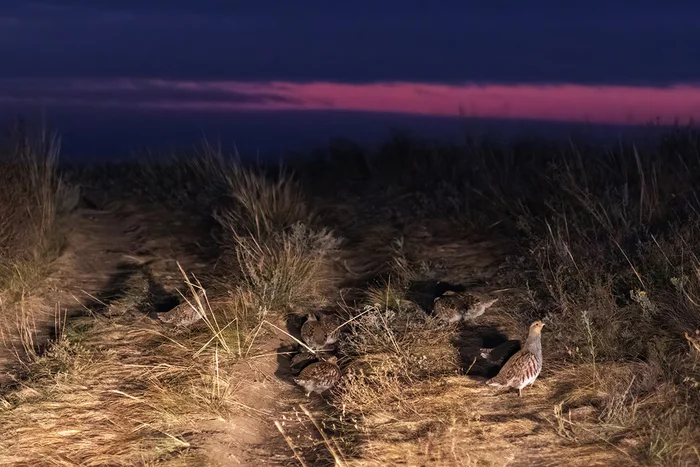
x: 320, y: 376
x: 524, y: 367
x: 312, y: 333
x: 301, y: 360
x: 317, y: 334
x: 185, y: 314
x: 331, y: 326
x: 457, y: 306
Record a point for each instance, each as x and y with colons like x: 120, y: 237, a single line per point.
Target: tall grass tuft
x: 33, y: 199
x: 290, y: 268
x: 270, y: 240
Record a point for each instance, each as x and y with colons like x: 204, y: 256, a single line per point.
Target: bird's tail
x: 495, y: 382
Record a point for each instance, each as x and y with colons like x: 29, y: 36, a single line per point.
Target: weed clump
x: 34, y: 201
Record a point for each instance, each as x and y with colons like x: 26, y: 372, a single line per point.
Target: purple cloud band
x: 561, y: 102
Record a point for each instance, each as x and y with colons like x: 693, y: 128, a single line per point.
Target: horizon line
x: 565, y: 102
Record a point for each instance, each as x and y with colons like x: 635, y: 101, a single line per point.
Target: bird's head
x: 536, y: 328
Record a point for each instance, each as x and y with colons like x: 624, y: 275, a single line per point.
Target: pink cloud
x: 564, y: 102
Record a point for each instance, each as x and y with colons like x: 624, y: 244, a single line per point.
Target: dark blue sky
x: 603, y: 42
x: 597, y: 42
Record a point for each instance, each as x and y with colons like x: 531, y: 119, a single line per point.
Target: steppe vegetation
x: 599, y: 243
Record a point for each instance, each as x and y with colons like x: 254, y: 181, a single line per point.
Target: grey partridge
x: 317, y: 334
x: 313, y: 333
x: 320, y: 376
x: 186, y: 313
x: 331, y: 326
x: 457, y: 306
x: 525, y: 366
x: 302, y: 359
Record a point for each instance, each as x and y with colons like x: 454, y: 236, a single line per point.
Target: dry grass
x: 270, y: 241
x: 35, y: 206
x: 114, y: 392
x: 615, y: 258
x: 392, y: 347
x: 605, y: 252
x: 289, y: 269
x: 262, y: 206
x: 83, y: 407
x: 607, y: 259
x: 178, y: 181
x: 121, y: 392
x: 33, y: 199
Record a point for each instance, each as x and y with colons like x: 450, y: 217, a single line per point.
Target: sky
x: 275, y: 73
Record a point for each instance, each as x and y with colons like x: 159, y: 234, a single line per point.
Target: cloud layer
x: 566, y: 102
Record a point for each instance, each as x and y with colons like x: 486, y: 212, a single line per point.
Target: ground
x: 91, y: 377
x: 94, y: 269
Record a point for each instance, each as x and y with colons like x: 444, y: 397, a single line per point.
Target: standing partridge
x: 455, y: 306
x: 524, y: 367
x: 320, y: 376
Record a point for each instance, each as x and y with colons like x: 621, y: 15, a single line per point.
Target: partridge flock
x: 454, y: 307
x: 519, y: 371
x: 317, y: 372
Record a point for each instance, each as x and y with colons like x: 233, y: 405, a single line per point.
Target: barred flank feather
x: 524, y: 367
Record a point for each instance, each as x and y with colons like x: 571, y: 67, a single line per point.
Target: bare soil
x: 112, y: 251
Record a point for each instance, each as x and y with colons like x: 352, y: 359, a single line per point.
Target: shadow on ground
x: 472, y: 339
x: 424, y: 292
x: 285, y: 352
